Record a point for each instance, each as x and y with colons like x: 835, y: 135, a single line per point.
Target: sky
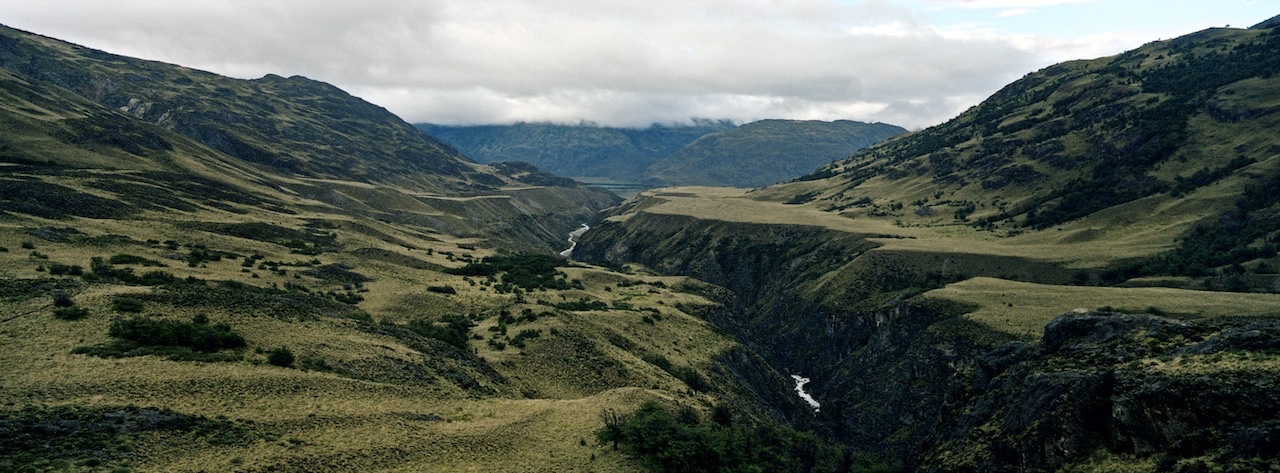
x: 913, y: 63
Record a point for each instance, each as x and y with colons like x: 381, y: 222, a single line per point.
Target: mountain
x: 205, y: 273
x: 577, y: 151
x: 1077, y: 274
x: 767, y: 152
x: 272, y: 135
x: 706, y: 153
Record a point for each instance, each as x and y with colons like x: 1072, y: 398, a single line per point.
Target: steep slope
x: 577, y: 151
x: 767, y: 152
x: 295, y: 135
x: 922, y: 283
x: 196, y: 280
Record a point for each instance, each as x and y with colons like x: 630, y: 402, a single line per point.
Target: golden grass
x: 1023, y: 309
x: 375, y: 418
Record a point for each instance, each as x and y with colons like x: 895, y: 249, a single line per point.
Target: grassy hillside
x: 275, y: 144
x: 767, y: 152
x: 1060, y: 279
x: 205, y: 274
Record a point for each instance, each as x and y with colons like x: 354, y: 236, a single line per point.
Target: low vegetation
x: 197, y: 340
x: 683, y: 441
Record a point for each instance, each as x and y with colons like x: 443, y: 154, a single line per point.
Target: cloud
x: 619, y: 63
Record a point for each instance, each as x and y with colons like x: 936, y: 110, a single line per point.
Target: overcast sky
x: 913, y: 63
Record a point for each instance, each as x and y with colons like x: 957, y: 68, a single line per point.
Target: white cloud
x: 483, y: 61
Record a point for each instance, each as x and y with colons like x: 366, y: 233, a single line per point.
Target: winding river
x: 573, y: 240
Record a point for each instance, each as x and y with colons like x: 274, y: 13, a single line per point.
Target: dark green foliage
x: 683, y: 442
x: 179, y: 341
x: 452, y: 329
x: 1206, y: 176
x: 305, y: 241
x: 52, y: 201
x: 518, y: 340
x: 1237, y: 237
x: 528, y: 271
x: 337, y: 273
x: 134, y: 259
x: 127, y: 304
x: 442, y: 289
x: 582, y: 304
x: 105, y: 271
x: 200, y: 254
x: 280, y: 356
x: 251, y: 300
x: 70, y: 313
x: 348, y: 297
x: 58, y: 269
x: 197, y: 335
x: 62, y: 299
x: 40, y: 438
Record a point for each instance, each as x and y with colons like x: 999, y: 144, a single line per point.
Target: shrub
x: 62, y: 299
x: 70, y: 313
x: 452, y: 329
x: 682, y: 441
x: 281, y: 357
x: 126, y: 304
x: 195, y: 335
x: 518, y: 340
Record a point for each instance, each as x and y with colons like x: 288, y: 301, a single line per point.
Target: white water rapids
x: 573, y: 239
x: 800, y: 382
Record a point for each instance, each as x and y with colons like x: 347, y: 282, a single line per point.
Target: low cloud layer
x: 615, y: 63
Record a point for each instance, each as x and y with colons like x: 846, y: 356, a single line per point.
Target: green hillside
x: 1078, y: 274
x: 767, y: 152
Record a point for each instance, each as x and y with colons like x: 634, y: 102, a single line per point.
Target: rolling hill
x: 1059, y: 279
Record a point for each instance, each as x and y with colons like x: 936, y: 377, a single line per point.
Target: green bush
x: 452, y: 329
x: 682, y: 441
x: 528, y: 271
x: 197, y: 335
x: 281, y: 357
x: 62, y: 299
x: 126, y: 304
x: 70, y: 313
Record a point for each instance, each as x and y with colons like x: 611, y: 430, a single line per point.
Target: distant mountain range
x: 706, y: 152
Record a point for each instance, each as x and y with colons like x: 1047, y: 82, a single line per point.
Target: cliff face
x: 907, y: 375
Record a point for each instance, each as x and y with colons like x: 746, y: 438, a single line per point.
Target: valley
x: 200, y: 273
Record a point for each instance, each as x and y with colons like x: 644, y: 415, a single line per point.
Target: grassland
x: 1022, y: 309
x: 365, y: 393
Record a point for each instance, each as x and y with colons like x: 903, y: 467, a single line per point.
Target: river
x: 800, y: 382
x: 573, y: 240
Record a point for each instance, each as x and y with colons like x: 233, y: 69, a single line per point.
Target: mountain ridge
x: 706, y: 152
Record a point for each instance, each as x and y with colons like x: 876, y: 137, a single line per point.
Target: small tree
x: 613, y: 422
